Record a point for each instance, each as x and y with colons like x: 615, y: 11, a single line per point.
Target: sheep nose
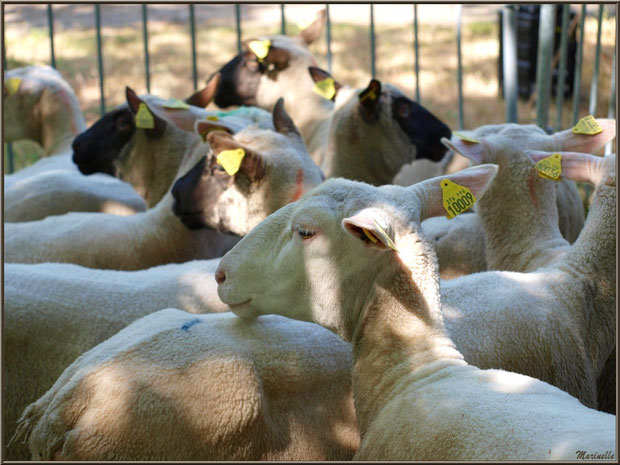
x: 220, y: 276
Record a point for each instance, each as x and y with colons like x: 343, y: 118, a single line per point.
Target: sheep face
x: 318, y: 259
x: 95, y: 150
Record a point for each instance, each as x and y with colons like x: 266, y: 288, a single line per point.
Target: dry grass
x: 27, y: 42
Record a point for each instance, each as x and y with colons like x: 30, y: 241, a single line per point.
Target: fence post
x: 559, y: 97
x: 145, y: 38
x: 597, y: 59
x: 282, y: 20
x: 99, y: 59
x: 329, y: 38
x: 373, y: 69
x: 238, y: 24
x: 578, y: 63
x: 509, y: 65
x: 459, y: 71
x: 9, y: 145
x: 50, y: 25
x: 416, y: 54
x: 192, y: 31
x: 546, y: 34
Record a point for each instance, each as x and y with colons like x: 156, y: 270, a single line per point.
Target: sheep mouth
x: 236, y: 306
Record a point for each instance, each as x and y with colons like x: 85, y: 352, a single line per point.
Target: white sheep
x: 469, y: 245
x: 88, y: 305
x: 175, y: 386
x: 351, y: 258
x: 41, y: 106
x: 150, y: 238
x: 367, y: 134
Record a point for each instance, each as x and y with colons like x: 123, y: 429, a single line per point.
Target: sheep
x: 460, y: 245
x: 44, y: 108
x: 351, y: 258
x: 146, y: 239
x: 109, y: 299
x: 366, y: 134
x: 108, y: 146
x: 175, y: 386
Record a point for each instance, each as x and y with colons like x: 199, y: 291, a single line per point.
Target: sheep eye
x: 305, y: 233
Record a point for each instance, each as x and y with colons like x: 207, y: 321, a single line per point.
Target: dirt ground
x: 27, y: 42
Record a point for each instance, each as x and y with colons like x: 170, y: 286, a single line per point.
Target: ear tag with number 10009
x: 260, y: 48
x: 144, y: 118
x: 587, y: 125
x: 456, y: 198
x: 231, y: 160
x: 325, y: 88
x: 550, y: 167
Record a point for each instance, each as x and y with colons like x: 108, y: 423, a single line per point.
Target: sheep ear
x: 253, y: 164
x: 202, y: 98
x: 369, y: 101
x: 134, y: 104
x: 312, y: 32
x: 477, y: 179
x: 576, y: 166
x: 476, y: 152
x: 282, y: 122
x: 203, y: 128
x: 571, y: 142
x: 369, y: 226
x: 278, y: 58
x: 318, y: 74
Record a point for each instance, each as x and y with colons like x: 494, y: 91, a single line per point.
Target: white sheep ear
x: 477, y: 179
x: 476, y: 152
x: 369, y: 226
x: 583, y: 143
x: 577, y: 166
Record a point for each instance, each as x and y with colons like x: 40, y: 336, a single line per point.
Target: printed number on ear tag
x: 587, y: 125
x: 550, y: 167
x: 325, y: 88
x: 456, y: 198
x: 260, y: 48
x: 175, y: 104
x: 12, y: 85
x: 231, y: 160
x: 466, y: 138
x: 144, y: 118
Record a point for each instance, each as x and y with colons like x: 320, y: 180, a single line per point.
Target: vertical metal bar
x: 50, y: 25
x: 416, y: 53
x: 99, y: 59
x: 282, y: 20
x: 546, y: 34
x: 611, y: 112
x: 238, y: 23
x: 509, y: 65
x: 329, y: 39
x: 597, y: 59
x: 192, y: 31
x: 145, y: 38
x: 373, y: 69
x: 11, y: 157
x: 578, y: 65
x: 459, y: 14
x: 559, y: 97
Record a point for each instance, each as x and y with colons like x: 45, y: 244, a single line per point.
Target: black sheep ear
x: 202, y: 98
x: 144, y: 118
x: 282, y: 122
x: 369, y: 101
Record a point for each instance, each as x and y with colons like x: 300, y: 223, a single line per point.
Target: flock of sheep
x: 396, y: 334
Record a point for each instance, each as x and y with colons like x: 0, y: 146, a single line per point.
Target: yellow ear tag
x: 587, y: 125
x: 550, y: 167
x: 260, y: 48
x: 12, y: 85
x: 325, y: 88
x: 466, y: 138
x: 372, y: 95
x: 144, y: 118
x: 369, y: 235
x: 212, y: 118
x: 231, y: 160
x: 387, y: 239
x: 305, y: 23
x: 456, y: 199
x: 175, y: 104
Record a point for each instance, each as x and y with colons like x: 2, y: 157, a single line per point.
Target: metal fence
x: 509, y: 65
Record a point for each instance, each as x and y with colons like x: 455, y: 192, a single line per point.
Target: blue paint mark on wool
x: 242, y: 111
x: 190, y: 323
